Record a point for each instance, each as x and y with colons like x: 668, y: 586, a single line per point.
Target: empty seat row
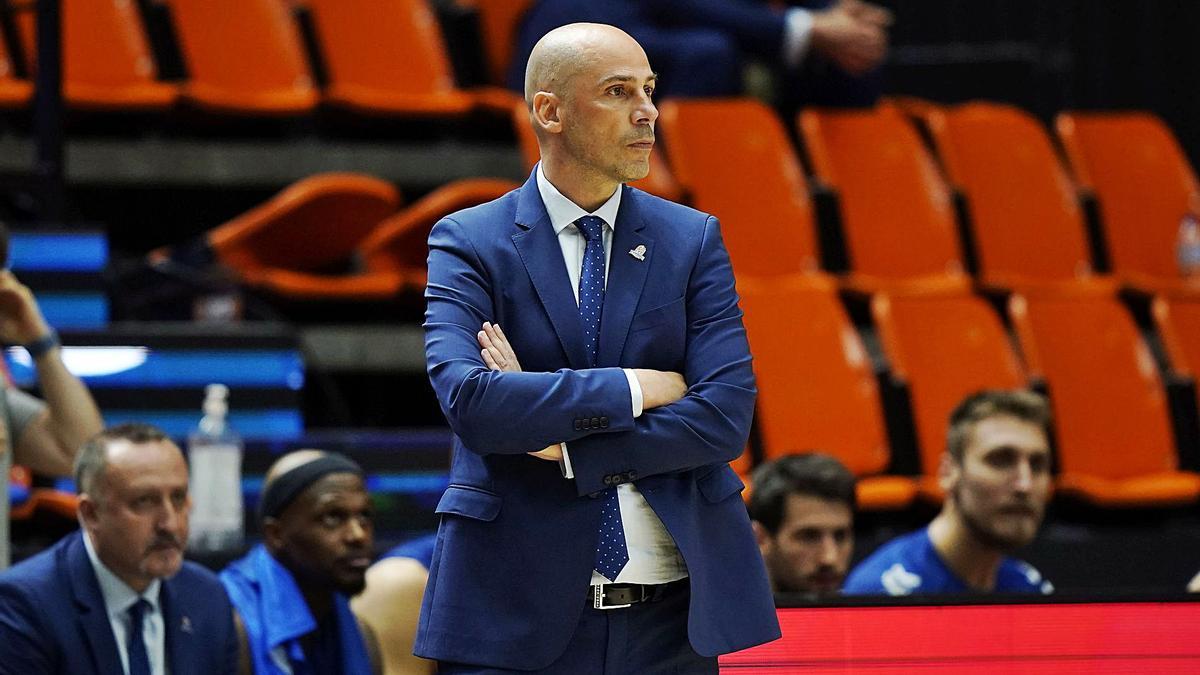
x: 818, y: 388
x: 382, y: 57
x: 287, y: 245
x: 896, y: 199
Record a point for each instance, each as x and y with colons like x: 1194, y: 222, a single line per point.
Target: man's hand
x: 853, y: 34
x: 659, y: 387
x: 498, y: 355
x: 21, y: 321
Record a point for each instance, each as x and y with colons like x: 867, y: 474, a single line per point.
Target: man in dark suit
x: 118, y: 596
x: 824, y: 52
x: 592, y: 523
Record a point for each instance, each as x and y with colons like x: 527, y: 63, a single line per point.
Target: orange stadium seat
x: 398, y: 245
x: 498, y: 23
x: 312, y: 224
x: 14, y: 92
x: 1178, y: 323
x: 1143, y: 186
x: 816, y: 386
x: 658, y: 182
x: 1115, y: 445
x: 751, y: 180
x: 944, y: 347
x: 243, y: 57
x: 107, y: 62
x: 896, y: 210
x: 388, y: 57
x: 1026, y: 219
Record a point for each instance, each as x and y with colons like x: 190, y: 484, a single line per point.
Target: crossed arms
x: 511, y: 412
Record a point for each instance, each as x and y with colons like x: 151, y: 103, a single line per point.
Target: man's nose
x: 829, y: 550
x: 1023, y: 480
x: 356, y: 531
x: 646, y: 112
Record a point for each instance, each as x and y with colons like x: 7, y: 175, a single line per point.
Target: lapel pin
x: 185, y: 625
x: 638, y: 252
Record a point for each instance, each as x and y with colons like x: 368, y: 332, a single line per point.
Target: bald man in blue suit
x: 592, y: 523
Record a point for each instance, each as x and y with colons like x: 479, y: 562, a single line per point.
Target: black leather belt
x: 616, y: 596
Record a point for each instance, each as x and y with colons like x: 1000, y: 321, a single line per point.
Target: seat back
x: 1178, y: 323
x: 816, y: 387
x: 107, y: 59
x: 311, y: 224
x: 1025, y: 215
x: 13, y: 92
x: 244, y: 56
x: 659, y: 182
x: 399, y: 243
x: 1142, y: 182
x: 498, y: 22
x: 751, y: 180
x: 1109, y: 404
x: 896, y: 210
x: 945, y: 347
x: 384, y: 45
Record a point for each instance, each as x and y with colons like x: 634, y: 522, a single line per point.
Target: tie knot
x: 590, y: 227
x: 138, y: 610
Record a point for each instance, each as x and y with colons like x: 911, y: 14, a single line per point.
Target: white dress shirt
x: 653, y: 556
x: 118, y: 598
x: 797, y: 35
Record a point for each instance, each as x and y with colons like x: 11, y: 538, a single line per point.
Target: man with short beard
x: 118, y: 596
x: 996, y: 474
x: 291, y: 592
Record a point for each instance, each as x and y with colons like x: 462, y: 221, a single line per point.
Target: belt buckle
x: 598, y: 599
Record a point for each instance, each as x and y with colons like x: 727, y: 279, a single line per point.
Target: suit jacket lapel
x: 626, y: 278
x: 537, y: 244
x: 178, y: 631
x: 93, y: 615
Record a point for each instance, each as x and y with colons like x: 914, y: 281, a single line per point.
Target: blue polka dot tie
x: 611, y: 550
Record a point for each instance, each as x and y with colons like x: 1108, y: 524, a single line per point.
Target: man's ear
x: 761, y: 536
x: 546, y: 112
x: 271, y: 534
x: 949, y: 473
x: 87, y: 510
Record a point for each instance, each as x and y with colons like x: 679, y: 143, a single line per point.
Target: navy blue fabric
x: 135, y: 641
x: 699, y: 47
x: 53, y: 618
x: 612, y: 552
x: 516, y: 544
x: 910, y: 565
x: 419, y: 549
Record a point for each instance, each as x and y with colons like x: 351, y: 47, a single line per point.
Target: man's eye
x: 617, y: 91
x: 650, y: 91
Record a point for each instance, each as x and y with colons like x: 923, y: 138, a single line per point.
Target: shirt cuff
x: 797, y: 35
x: 635, y: 392
x: 565, y: 464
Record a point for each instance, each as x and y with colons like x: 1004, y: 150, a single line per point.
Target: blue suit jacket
x: 516, y: 545
x: 53, y: 618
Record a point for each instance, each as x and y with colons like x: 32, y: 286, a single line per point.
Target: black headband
x: 286, y: 487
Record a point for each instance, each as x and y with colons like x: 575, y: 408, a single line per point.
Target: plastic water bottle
x: 215, y: 455
x: 1187, y: 246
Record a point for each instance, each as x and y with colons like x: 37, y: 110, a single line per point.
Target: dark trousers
x: 649, y: 638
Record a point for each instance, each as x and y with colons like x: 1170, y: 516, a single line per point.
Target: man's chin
x: 163, y: 564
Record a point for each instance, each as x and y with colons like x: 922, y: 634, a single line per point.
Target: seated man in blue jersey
x: 391, y: 604
x: 996, y: 474
x: 290, y: 593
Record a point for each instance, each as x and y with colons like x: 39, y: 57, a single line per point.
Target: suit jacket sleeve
x: 712, y: 422
x: 501, y: 412
x: 23, y: 650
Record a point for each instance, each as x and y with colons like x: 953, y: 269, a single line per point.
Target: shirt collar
x: 563, y: 211
x: 118, y: 596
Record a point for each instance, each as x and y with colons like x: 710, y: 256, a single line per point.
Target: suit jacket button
x: 595, y: 422
x: 632, y: 475
x: 578, y: 424
x: 603, y: 422
x: 608, y: 480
